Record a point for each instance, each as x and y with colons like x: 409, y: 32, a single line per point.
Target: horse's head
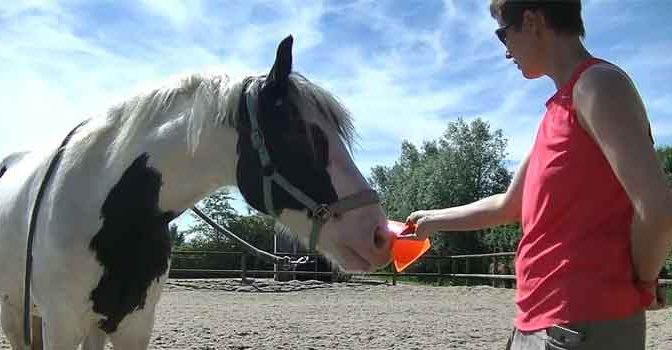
x: 294, y: 164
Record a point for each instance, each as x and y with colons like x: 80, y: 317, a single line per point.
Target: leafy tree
x: 256, y: 229
x: 218, y: 208
x: 501, y: 238
x: 462, y: 166
x: 665, y: 156
x: 177, y: 239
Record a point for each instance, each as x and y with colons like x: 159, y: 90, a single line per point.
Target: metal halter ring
x: 321, y: 213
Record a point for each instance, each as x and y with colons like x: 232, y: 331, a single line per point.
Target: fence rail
x: 244, y: 272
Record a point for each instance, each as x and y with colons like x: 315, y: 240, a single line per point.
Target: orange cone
x: 405, y: 251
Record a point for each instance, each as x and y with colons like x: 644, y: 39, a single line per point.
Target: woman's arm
x: 610, y: 110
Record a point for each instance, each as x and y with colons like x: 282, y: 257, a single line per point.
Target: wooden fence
x: 465, y: 268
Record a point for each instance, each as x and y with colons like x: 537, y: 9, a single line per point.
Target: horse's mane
x: 326, y: 103
x: 213, y: 101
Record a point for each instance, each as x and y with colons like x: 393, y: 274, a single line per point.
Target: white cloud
x: 13, y: 8
x: 399, y: 81
x: 55, y: 78
x: 181, y: 14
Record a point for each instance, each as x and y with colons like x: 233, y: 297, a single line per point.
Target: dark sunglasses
x: 501, y: 33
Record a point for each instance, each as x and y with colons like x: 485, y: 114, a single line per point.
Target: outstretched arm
x: 495, y: 210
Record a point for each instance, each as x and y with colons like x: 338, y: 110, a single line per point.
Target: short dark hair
x: 562, y: 16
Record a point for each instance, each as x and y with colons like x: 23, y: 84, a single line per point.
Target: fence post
x: 492, y: 269
x: 243, y: 267
x: 438, y: 268
x: 36, y: 332
x: 453, y: 269
x: 394, y: 276
x: 334, y: 275
x: 466, y: 270
x: 276, y: 276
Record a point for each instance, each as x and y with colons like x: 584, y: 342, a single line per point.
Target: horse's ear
x: 278, y: 79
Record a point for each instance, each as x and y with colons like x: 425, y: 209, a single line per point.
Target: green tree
x: 665, y: 156
x: 464, y: 165
x: 177, y: 238
x: 218, y: 208
x: 258, y: 230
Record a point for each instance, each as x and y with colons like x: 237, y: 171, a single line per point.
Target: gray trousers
x: 628, y: 333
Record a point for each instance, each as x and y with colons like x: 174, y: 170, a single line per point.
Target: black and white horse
x: 101, y: 248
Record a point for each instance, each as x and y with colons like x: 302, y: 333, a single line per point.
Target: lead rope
x: 283, y: 260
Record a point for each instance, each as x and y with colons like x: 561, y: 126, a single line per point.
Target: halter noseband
x: 320, y: 213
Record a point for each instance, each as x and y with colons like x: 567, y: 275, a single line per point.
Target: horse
x: 101, y: 249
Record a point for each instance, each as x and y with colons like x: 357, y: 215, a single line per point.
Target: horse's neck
x: 189, y: 175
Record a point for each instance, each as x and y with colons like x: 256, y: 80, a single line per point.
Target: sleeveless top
x: 573, y: 262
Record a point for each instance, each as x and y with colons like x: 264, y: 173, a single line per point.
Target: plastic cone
x: 405, y: 251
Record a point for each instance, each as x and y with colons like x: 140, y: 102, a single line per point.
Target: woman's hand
x: 660, y: 301
x: 422, y: 219
x: 417, y: 215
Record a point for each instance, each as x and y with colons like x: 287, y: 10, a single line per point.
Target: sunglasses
x: 501, y: 33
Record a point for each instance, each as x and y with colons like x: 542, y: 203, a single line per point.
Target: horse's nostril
x: 381, y: 239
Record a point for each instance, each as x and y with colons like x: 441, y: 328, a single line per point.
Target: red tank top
x: 573, y: 262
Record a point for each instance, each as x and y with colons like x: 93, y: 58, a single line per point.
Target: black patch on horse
x: 133, y: 245
x: 3, y: 170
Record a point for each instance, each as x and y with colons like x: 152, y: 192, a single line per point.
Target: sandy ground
x: 225, y: 314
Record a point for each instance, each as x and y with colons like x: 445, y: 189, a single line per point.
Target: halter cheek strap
x: 320, y: 213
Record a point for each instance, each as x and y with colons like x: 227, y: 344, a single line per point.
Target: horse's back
x: 19, y: 173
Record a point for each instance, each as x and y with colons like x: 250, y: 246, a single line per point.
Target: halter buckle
x: 322, y: 213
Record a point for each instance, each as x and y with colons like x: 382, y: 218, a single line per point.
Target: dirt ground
x: 226, y: 314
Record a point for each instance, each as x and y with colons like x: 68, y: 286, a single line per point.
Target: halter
x: 320, y: 213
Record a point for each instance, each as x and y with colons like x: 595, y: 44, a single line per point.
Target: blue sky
x: 403, y: 68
